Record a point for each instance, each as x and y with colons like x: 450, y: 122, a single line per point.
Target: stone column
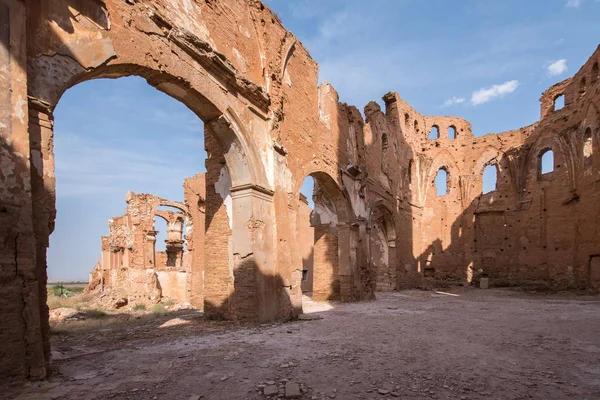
x: 24, y: 341
x: 150, y: 249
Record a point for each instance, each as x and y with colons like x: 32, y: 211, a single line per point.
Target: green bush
x: 139, y: 307
x: 60, y: 291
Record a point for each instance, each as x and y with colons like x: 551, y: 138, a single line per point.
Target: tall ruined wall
x: 534, y: 227
x: 267, y: 127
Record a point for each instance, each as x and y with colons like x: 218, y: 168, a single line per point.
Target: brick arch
x: 443, y: 160
x: 382, y: 236
x: 175, y: 57
x: 174, y: 204
x: 332, y: 263
x: 592, y: 119
x: 485, y: 159
x: 542, y: 145
x: 333, y: 188
x: 240, y: 150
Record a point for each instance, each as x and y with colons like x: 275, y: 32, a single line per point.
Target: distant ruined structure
x: 378, y: 223
x: 129, y: 261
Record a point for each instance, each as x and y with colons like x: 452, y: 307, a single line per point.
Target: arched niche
x: 382, y: 255
x: 333, y: 253
x: 487, y: 171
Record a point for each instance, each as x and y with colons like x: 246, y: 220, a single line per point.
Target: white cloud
x: 453, y: 101
x: 557, y: 67
x: 573, y: 3
x: 484, y: 95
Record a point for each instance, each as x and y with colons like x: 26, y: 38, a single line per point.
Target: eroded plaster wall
x: 269, y: 126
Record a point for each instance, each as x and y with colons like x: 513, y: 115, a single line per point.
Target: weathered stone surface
x: 292, y: 391
x: 271, y: 390
x: 62, y: 313
x: 378, y: 223
x: 88, y: 53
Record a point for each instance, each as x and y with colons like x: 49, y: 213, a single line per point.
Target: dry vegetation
x: 73, y: 310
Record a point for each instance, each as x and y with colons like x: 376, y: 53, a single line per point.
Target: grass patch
x: 139, y: 307
x: 77, y: 302
x: 159, y: 309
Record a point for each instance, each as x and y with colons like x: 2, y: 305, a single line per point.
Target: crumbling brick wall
x: 268, y: 126
x: 129, y: 263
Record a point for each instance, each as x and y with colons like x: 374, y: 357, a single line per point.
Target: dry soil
x: 460, y: 344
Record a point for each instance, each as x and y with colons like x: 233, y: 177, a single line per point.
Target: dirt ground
x: 459, y: 344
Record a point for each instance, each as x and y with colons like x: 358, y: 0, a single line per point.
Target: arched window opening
x: 416, y: 126
x: 559, y: 102
x: 452, y: 132
x: 160, y: 226
x: 587, y: 148
x: 176, y: 226
x: 490, y: 178
x: 582, y: 86
x: 407, y: 120
x: 546, y: 162
x: 441, y: 182
x: 434, y: 133
x: 595, y: 73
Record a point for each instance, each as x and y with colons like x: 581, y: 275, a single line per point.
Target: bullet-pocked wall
x: 269, y: 126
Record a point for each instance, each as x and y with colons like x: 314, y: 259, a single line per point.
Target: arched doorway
x: 328, y: 257
x: 382, y: 248
x: 63, y: 43
x: 230, y: 150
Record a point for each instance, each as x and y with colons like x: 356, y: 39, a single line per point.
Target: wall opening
x: 559, y: 102
x: 452, y: 132
x: 160, y: 226
x: 318, y: 236
x: 416, y: 126
x: 442, y: 182
x: 115, y: 151
x: 490, y: 178
x: 407, y: 120
x: 382, y: 249
x: 110, y: 148
x: 587, y: 148
x: 595, y: 73
x: 546, y: 163
x: 434, y: 133
x: 582, y: 86
x: 306, y: 235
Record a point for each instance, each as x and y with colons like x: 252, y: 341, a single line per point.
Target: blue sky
x: 487, y: 61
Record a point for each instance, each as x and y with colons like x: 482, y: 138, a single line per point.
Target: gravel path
x: 467, y: 344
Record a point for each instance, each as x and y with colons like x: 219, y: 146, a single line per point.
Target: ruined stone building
x: 378, y: 223
x: 129, y: 262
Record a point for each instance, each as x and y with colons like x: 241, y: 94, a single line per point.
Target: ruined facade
x: 378, y: 223
x: 129, y: 263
